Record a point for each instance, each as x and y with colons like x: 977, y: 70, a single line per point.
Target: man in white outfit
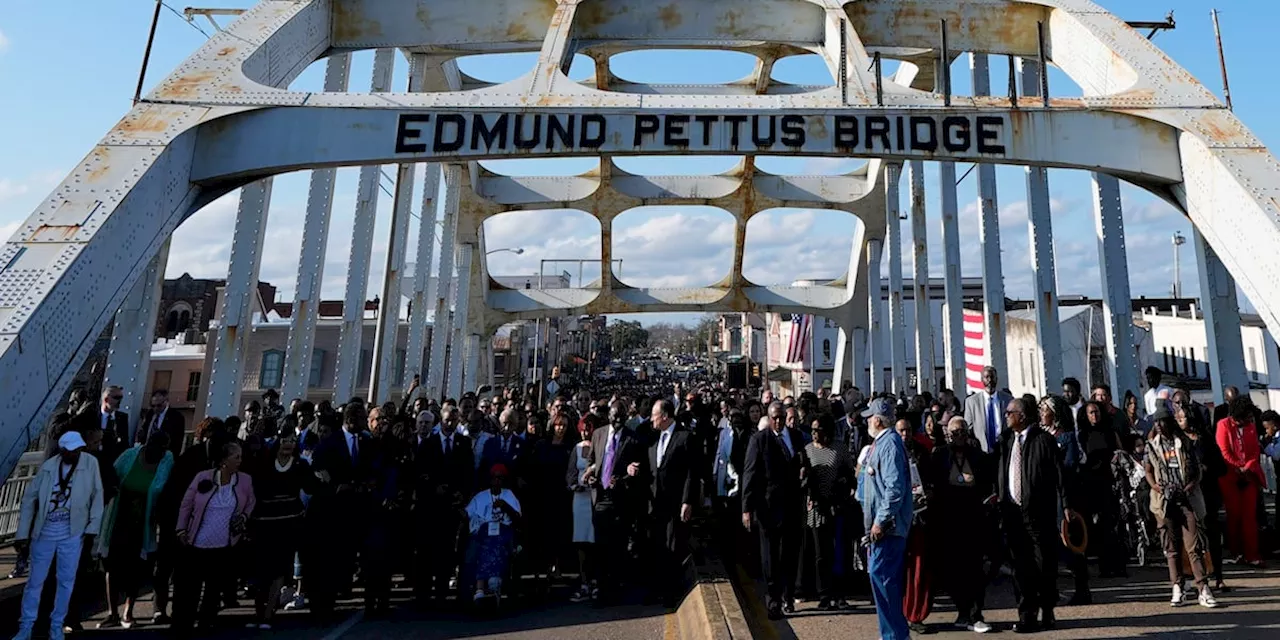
x: 984, y: 410
x: 61, y: 510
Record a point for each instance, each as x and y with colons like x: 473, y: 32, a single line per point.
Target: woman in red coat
x: 1238, y: 439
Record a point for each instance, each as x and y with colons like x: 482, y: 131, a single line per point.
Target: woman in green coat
x: 128, y: 536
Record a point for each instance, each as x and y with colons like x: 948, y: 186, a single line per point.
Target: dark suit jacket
x: 455, y: 473
x: 630, y: 449
x: 493, y: 454
x: 334, y: 456
x: 673, y: 483
x: 173, y: 426
x: 115, y: 438
x: 1042, y: 485
x: 771, y: 487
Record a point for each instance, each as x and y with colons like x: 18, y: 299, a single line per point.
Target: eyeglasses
x: 117, y: 398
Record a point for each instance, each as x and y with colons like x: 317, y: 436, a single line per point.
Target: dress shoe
x: 789, y: 607
x: 1026, y: 626
x: 1047, y: 621
x: 775, y: 613
x: 919, y: 628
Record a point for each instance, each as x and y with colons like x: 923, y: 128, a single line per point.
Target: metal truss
x: 225, y: 118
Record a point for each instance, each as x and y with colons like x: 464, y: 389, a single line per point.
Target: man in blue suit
x: 887, y: 507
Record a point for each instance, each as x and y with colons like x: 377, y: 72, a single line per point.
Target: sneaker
x: 1206, y: 598
x: 110, y: 623
x: 251, y: 625
x: 962, y: 623
x: 1179, y: 596
x: 479, y: 595
x: 581, y: 595
x: 298, y: 602
x: 980, y: 627
x: 160, y: 618
x: 265, y: 626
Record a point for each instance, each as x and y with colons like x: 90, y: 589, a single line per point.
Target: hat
x: 498, y: 469
x: 879, y: 407
x: 1070, y: 543
x: 71, y: 441
x: 1160, y: 413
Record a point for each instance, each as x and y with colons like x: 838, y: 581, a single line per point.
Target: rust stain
x: 230, y: 88
x: 102, y: 157
x: 353, y: 25
x: 226, y: 51
x: 519, y: 31
x: 56, y: 232
x: 591, y: 14
x: 185, y: 86
x: 146, y: 122
x: 670, y: 16
x: 424, y: 15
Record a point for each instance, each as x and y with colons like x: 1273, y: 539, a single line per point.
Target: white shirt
x: 481, y: 512
x: 1022, y: 441
x: 1156, y: 397
x: 57, y: 521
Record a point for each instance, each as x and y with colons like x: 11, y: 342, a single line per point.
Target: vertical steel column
x: 875, y: 295
x: 315, y: 241
x: 129, y: 358
x: 351, y: 339
x: 1117, y: 303
x: 989, y: 229
x: 386, y: 337
x: 843, y: 369
x: 235, y: 319
x: 422, y: 298
x: 861, y: 372
x: 441, y: 328
x: 920, y: 263
x: 1040, y: 223
x: 953, y: 291
x: 1221, y: 321
x: 489, y: 359
x: 459, y: 344
x: 893, y: 238
x: 471, y: 370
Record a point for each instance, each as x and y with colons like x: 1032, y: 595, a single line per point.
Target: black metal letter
x: 645, y: 125
x: 793, y: 131
x: 440, y: 145
x: 673, y: 133
x: 405, y: 133
x: 988, y: 136
x: 957, y: 135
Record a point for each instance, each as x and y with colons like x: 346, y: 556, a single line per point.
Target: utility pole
x: 1222, y: 60
x: 1178, y: 241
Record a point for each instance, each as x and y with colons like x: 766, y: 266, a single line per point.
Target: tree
x: 627, y: 336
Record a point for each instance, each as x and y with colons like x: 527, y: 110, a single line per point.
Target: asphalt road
x: 554, y: 619
x: 1137, y: 607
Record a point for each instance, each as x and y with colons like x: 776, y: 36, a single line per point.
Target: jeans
x: 885, y: 566
x: 43, y: 554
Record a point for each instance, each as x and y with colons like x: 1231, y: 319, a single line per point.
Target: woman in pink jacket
x: 1238, y: 439
x: 211, y: 521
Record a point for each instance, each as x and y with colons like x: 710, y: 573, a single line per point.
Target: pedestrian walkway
x: 1136, y: 607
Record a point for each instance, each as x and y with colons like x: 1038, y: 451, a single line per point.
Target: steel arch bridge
x: 94, y: 251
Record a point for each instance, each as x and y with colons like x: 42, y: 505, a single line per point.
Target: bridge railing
x: 12, y: 490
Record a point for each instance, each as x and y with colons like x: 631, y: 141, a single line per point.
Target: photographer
x: 1177, y: 503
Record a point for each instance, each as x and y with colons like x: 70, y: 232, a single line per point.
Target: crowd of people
x: 596, y: 489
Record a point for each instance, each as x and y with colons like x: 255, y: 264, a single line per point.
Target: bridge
x: 93, y: 253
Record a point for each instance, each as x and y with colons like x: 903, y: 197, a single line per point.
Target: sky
x: 60, y: 100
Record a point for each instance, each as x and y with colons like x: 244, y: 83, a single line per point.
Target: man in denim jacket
x: 887, y: 507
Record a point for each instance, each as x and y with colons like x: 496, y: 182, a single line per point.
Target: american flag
x: 799, y: 337
x: 975, y: 355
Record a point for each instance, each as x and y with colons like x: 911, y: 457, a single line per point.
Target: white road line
x: 345, y: 626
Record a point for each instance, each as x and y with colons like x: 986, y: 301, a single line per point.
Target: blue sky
x: 59, y: 100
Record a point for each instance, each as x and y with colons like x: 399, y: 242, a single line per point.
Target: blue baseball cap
x: 879, y: 407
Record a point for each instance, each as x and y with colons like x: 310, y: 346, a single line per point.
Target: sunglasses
x: 117, y: 398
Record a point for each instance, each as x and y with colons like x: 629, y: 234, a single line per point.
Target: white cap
x: 71, y: 441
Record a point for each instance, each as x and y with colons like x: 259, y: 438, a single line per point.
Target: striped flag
x: 799, y: 337
x: 975, y: 354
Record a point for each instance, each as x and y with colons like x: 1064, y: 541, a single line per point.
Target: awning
x: 779, y: 374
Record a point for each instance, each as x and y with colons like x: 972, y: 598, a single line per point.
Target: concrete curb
x: 711, y: 611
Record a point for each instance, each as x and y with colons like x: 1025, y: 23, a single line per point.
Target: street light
x: 1178, y: 241
x: 515, y: 250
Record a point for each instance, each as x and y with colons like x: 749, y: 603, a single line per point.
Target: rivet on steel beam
x: 1044, y: 63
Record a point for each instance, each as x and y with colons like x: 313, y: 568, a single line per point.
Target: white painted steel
x: 129, y: 358
x: 72, y: 263
x: 239, y: 299
x: 458, y: 341
x: 1221, y: 321
x: 315, y: 243
x: 350, y: 359
x: 920, y: 280
x: 442, y: 330
x: 893, y: 240
x: 422, y: 299
x: 1117, y: 305
x: 953, y: 305
x: 1044, y: 274
x: 876, y: 356
x: 989, y: 238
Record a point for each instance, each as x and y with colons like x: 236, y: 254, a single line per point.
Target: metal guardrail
x: 12, y: 490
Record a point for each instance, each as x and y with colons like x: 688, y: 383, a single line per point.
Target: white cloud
x: 4, y: 42
x: 10, y: 190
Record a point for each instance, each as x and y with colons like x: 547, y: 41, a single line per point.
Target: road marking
x: 345, y: 626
